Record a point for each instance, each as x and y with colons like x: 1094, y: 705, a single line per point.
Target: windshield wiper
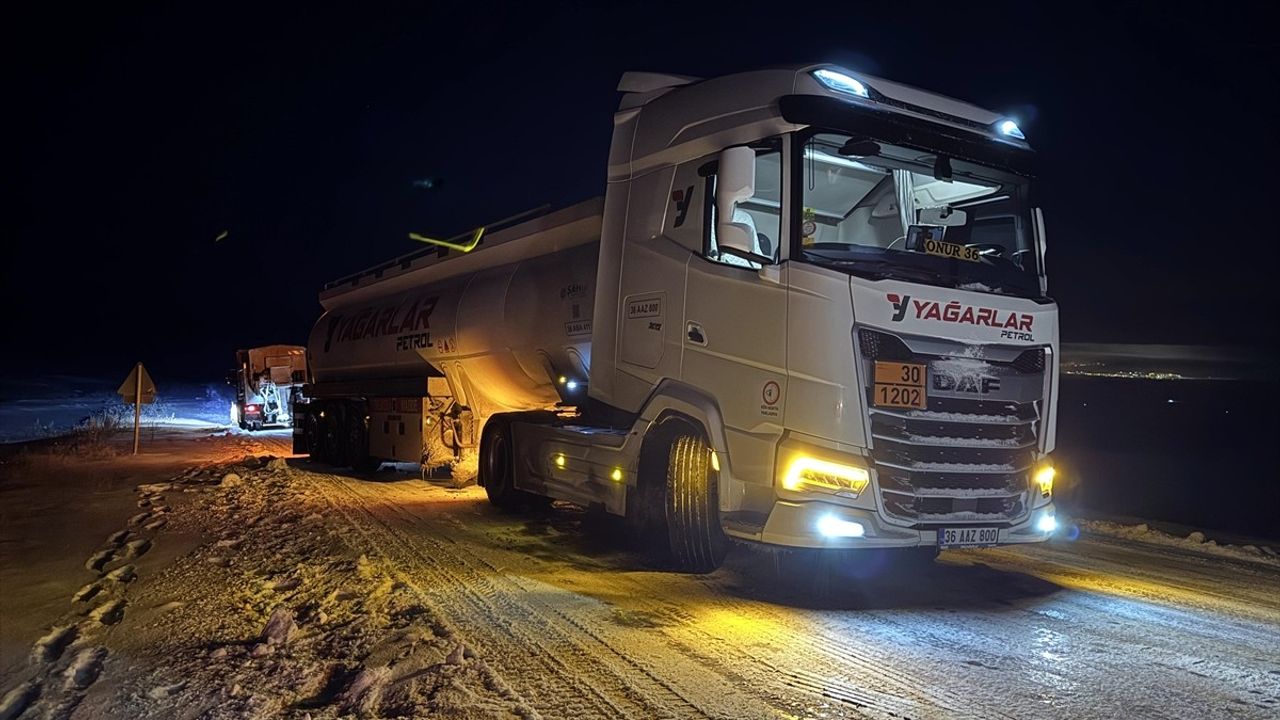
x: 882, y: 270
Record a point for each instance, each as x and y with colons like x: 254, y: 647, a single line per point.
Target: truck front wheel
x: 698, y: 543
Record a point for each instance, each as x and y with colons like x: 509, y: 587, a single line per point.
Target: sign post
x: 138, y: 388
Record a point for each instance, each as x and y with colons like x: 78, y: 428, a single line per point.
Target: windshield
x: 887, y: 211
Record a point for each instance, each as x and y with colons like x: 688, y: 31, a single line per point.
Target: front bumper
x: 796, y: 524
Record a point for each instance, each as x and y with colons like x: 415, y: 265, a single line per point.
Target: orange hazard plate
x: 900, y: 385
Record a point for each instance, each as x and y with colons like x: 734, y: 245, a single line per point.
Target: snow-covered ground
x: 188, y: 583
x: 39, y: 407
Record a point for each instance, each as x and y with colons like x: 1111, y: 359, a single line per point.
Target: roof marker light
x: 841, y: 83
x: 1011, y: 129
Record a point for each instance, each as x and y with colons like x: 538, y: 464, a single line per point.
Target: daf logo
x: 966, y: 383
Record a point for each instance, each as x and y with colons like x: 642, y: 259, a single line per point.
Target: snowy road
x: 580, y: 628
x: 231, y: 587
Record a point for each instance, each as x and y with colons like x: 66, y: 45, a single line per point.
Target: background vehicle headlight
x: 810, y: 473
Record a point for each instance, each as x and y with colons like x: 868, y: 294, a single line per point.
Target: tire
x: 328, y: 439
x: 311, y: 431
x: 497, y: 463
x: 356, y: 441
x: 692, y: 507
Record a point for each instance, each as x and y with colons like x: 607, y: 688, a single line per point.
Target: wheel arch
x: 677, y: 402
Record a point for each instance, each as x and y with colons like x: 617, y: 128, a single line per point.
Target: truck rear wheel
x: 497, y: 463
x: 692, y: 508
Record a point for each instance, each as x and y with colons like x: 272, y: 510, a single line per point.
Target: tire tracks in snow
x: 804, y: 662
x: 530, y: 593
x: 579, y: 674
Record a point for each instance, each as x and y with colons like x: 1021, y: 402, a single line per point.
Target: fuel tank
x: 508, y: 336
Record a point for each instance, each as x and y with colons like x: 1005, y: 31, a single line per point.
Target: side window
x: 762, y: 212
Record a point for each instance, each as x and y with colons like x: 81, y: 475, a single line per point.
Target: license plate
x: 968, y: 537
x: 951, y: 250
x: 900, y: 385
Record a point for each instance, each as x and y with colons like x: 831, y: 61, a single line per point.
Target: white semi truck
x: 809, y: 311
x: 268, y: 384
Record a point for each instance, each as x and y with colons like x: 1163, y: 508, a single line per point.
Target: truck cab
x: 813, y: 313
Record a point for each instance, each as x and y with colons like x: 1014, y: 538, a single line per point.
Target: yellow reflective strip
x: 468, y: 246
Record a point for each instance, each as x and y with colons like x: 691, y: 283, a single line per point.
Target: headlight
x: 810, y: 473
x: 1044, y: 479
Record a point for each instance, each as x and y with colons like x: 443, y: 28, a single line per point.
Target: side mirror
x: 735, y: 182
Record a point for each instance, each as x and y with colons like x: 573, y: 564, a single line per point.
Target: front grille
x: 962, y: 459
x: 1030, y: 361
x: 882, y: 346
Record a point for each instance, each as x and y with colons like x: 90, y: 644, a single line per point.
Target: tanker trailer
x: 410, y: 357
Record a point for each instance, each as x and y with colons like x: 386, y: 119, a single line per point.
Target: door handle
x: 694, y: 332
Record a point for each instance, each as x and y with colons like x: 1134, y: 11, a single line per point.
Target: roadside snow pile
x: 1195, y: 541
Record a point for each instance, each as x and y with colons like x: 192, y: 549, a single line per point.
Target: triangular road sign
x: 129, y: 388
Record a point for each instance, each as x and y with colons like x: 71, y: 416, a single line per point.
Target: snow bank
x: 1195, y: 541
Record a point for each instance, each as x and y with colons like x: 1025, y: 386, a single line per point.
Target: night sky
x: 138, y: 133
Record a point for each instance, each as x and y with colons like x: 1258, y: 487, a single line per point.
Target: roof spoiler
x: 642, y: 87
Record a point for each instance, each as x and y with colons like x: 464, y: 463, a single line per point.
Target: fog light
x: 1047, y: 523
x: 831, y: 526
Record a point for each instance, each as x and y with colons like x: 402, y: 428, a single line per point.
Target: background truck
x: 267, y: 381
x: 810, y: 311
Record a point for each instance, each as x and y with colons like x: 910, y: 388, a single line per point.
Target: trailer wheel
x: 497, y: 464
x: 357, y: 442
x: 698, y: 543
x: 327, y: 440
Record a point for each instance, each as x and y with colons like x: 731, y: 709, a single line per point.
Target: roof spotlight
x: 1009, y: 128
x: 840, y: 82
